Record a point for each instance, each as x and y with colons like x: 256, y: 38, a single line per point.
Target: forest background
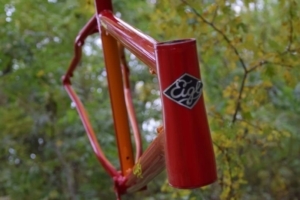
x: 249, y: 57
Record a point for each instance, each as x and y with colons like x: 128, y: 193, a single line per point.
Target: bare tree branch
x: 241, y: 60
x: 211, y: 24
x: 261, y: 63
x: 239, y: 100
x: 215, y: 14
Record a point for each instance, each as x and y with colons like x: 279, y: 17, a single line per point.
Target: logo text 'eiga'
x: 186, y: 91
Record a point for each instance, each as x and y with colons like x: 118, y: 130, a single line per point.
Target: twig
x: 241, y: 60
x: 230, y: 195
x: 290, y: 35
x: 220, y: 32
x: 238, y: 104
x: 261, y: 63
x: 215, y: 14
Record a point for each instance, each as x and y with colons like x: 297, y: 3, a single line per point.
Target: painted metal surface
x: 102, y: 5
x: 90, y: 132
x: 117, y: 99
x: 190, y: 160
x: 88, y: 29
x: 134, y: 40
x: 149, y: 165
x: 129, y: 104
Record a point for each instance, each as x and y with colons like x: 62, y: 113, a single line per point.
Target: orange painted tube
x: 129, y: 105
x: 137, y: 42
x: 115, y: 83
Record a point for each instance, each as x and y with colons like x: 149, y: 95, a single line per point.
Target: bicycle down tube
x: 184, y: 146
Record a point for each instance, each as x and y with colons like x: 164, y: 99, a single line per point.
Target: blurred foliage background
x: 249, y: 57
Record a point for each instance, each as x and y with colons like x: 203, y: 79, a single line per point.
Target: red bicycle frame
x: 184, y: 146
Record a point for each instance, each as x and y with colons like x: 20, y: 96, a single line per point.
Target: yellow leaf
x: 59, y: 143
x: 40, y: 73
x: 270, y: 137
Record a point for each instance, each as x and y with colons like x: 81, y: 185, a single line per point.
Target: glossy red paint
x: 149, y: 165
x: 190, y: 160
x: 89, y: 29
x: 102, y: 5
x: 90, y: 132
x: 129, y: 105
x: 138, y: 43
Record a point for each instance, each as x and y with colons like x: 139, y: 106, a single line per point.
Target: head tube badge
x: 186, y: 90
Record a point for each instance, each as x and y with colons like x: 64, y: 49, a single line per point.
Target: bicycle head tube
x: 190, y: 160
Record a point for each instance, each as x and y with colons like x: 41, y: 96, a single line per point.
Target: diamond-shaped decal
x: 186, y: 90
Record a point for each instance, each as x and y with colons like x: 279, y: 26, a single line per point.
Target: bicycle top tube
x: 140, y: 44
